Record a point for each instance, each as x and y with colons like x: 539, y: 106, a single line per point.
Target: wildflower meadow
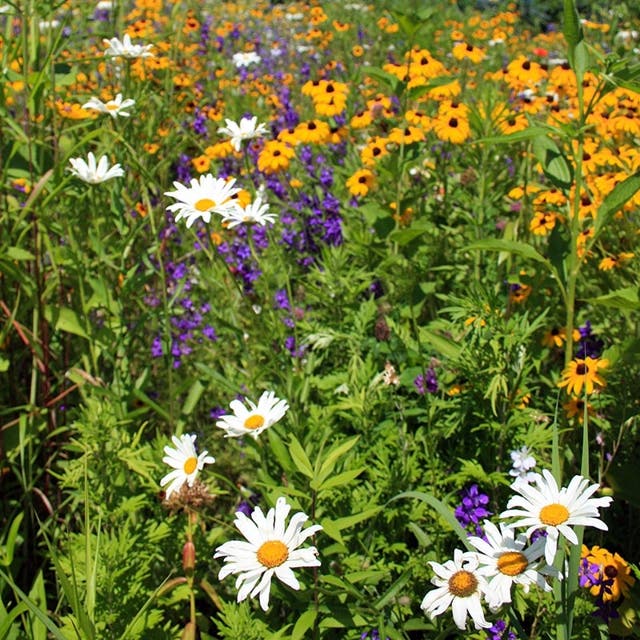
x: 319, y: 320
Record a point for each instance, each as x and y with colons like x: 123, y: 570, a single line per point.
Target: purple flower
x: 156, y: 348
x: 472, y: 508
x: 427, y: 383
x: 496, y: 632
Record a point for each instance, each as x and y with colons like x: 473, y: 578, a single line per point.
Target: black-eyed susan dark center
x: 512, y: 563
x: 554, y: 514
x: 272, y: 553
x: 462, y: 584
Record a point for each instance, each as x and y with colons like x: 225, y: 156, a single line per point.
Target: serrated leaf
x: 571, y: 28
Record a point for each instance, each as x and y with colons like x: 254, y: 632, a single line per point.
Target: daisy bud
x: 188, y: 556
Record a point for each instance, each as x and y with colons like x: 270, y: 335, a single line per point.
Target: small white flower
x: 461, y: 587
x: 104, y: 5
x: 116, y: 107
x: 242, y: 59
x: 126, y: 48
x: 271, y: 549
x: 205, y: 196
x: 522, y: 463
x: 94, y: 173
x: 44, y: 25
x: 505, y: 561
x: 246, y: 129
x: 555, y: 510
x: 185, y: 461
x: 255, y: 419
x: 255, y: 212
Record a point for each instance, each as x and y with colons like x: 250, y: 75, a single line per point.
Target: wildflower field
x: 319, y: 320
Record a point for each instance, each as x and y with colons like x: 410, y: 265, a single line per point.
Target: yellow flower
x: 451, y: 129
x: 614, y: 571
x: 274, y: 157
x: 360, y: 182
x: 583, y: 372
x: 542, y: 223
x: 575, y: 409
x: 555, y: 337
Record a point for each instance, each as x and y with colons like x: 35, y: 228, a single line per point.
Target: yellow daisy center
x: 272, y: 553
x: 554, y: 514
x: 254, y: 421
x: 462, y: 584
x: 112, y: 106
x: 204, y: 204
x: 190, y: 465
x: 512, y: 563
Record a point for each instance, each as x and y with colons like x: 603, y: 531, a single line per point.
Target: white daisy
x: 246, y: 129
x: 94, y: 173
x: 205, y: 196
x: 270, y: 550
x: 245, y: 59
x: 255, y: 212
x: 255, y: 419
x: 461, y: 587
x: 185, y: 462
x: 126, y: 49
x: 505, y: 561
x: 116, y: 107
x: 555, y: 510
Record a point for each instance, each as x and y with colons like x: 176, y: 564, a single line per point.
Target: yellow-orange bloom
x: 583, y: 372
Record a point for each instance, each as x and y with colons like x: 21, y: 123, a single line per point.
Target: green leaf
x: 37, y: 611
x: 388, y: 79
x: 618, y: 197
x: 16, y: 253
x: 337, y: 452
x: 8, y: 547
x: 65, y: 319
x: 571, y: 28
x: 442, y: 509
x: 350, y: 521
x: 338, y: 480
x: 439, y: 343
x: 7, y: 618
x: 195, y: 392
x: 300, y: 458
x: 279, y: 450
x: 626, y: 299
x: 304, y: 623
x: 518, y: 136
x: 405, y: 236
x: 393, y: 590
x: 554, y: 163
x: 508, y: 246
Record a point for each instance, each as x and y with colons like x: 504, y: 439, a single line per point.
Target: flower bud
x: 188, y: 556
